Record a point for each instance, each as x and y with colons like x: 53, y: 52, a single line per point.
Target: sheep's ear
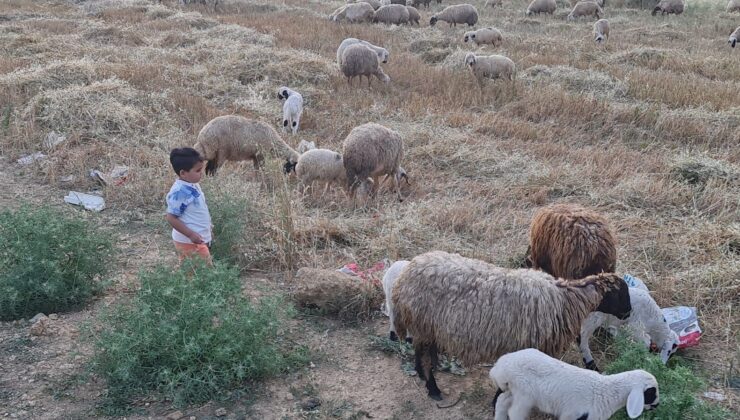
x: 635, y: 403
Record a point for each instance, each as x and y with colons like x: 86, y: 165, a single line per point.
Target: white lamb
x: 292, y: 108
x: 321, y: 165
x: 389, y: 280
x: 645, y: 324
x: 528, y: 378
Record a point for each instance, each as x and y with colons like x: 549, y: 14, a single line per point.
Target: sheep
x: 494, y: 3
x: 414, y: 15
x: 292, y: 108
x: 374, y: 3
x: 416, y: 3
x: 645, y: 324
x: 479, y: 312
x: 668, y: 7
x: 304, y: 146
x: 601, y: 31
x: 391, y: 14
x: 383, y: 54
x: 353, y: 13
x: 490, y: 66
x: 457, y: 13
x: 541, y: 6
x: 233, y: 137
x: 389, y: 280
x: 570, y: 242
x: 359, y: 60
x: 733, y: 6
x: 599, y: 2
x: 529, y: 379
x: 401, y: 2
x: 371, y: 150
x: 585, y: 8
x: 484, y: 36
x: 734, y: 37
x: 321, y: 165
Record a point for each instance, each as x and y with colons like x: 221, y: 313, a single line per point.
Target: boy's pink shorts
x: 188, y: 250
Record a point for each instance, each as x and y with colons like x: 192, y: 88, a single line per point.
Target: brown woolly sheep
x: 570, y: 242
x: 479, y: 312
x: 668, y: 7
x: 371, y: 150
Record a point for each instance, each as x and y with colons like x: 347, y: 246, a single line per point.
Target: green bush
x: 229, y: 217
x: 190, y: 335
x: 677, y: 384
x: 49, y: 262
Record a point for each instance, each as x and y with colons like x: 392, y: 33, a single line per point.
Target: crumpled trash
x: 634, y: 282
x: 53, y: 139
x: 88, y: 201
x: 353, y: 269
x: 117, y: 176
x: 29, y: 159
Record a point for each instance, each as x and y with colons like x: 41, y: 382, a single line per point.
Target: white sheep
x: 414, y: 15
x: 292, y: 108
x: 528, y: 379
x: 359, y: 60
x: 733, y: 6
x: 734, y: 37
x: 370, y: 151
x: 304, y: 146
x: 668, y: 7
x: 392, y: 14
x: 484, y: 36
x: 389, y: 280
x: 383, y: 54
x: 416, y: 3
x: 353, y: 13
x: 321, y: 165
x: 494, y: 3
x: 374, y: 3
x: 645, y: 324
x: 601, y: 31
x: 541, y: 6
x: 490, y: 66
x: 585, y: 8
x: 457, y: 13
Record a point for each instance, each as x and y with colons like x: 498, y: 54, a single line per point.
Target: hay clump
x: 699, y: 169
x: 51, y: 76
x: 578, y: 81
x: 333, y: 292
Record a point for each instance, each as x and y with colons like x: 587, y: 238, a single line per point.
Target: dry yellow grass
x: 603, y: 126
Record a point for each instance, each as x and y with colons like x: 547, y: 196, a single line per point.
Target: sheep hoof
x: 435, y: 397
x: 410, y: 340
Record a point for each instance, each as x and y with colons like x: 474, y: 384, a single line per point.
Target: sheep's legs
x: 426, y: 360
x: 397, y: 186
x: 502, y: 403
x: 519, y: 408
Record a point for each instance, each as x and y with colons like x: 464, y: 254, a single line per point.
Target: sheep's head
x: 469, y: 36
x: 644, y: 394
x: 599, y: 39
x: 283, y: 93
x: 433, y: 21
x: 732, y: 41
x: 383, y: 55
x: 470, y: 59
x: 669, y: 347
x: 528, y: 13
x: 289, y: 166
x: 616, y: 296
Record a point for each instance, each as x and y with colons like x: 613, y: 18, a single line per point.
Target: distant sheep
x: 371, y: 150
x: 541, y: 6
x: 292, y: 108
x: 374, y: 3
x: 457, y: 13
x: 233, y: 137
x: 389, y: 280
x: 484, y: 36
x: 601, y: 31
x: 668, y: 7
x: 734, y: 37
x: 392, y: 14
x: 359, y: 60
x: 599, y: 2
x: 585, y: 8
x: 383, y: 54
x: 490, y: 67
x: 494, y: 3
x: 353, y: 13
x: 570, y: 242
x: 414, y: 15
x: 733, y: 6
x: 416, y: 3
x: 479, y: 312
x: 321, y: 165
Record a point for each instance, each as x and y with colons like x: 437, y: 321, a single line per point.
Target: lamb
x: 321, y: 165
x: 292, y: 108
x: 414, y: 15
x: 529, y: 379
x: 479, y: 312
x: 494, y: 3
x: 416, y: 3
x: 391, y: 14
x: 490, y: 66
x: 304, y: 146
x: 359, y: 60
x: 353, y: 13
x: 541, y: 6
x: 233, y: 137
x: 484, y: 36
x: 645, y: 324
x: 601, y: 31
x: 371, y: 150
x: 733, y: 6
x: 585, y: 8
x: 570, y: 242
x: 383, y: 54
x: 389, y: 280
x: 668, y: 7
x: 457, y: 13
x: 734, y: 37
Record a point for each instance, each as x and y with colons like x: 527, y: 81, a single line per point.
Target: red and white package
x: 683, y: 320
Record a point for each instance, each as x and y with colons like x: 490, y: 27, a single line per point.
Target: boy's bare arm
x: 179, y: 226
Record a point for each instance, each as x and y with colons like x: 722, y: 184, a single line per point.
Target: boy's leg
x: 189, y: 250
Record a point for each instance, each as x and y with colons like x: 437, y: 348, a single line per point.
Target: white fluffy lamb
x: 383, y: 54
x: 734, y: 37
x: 490, y: 66
x: 528, y: 378
x: 321, y: 165
x: 601, y: 31
x: 389, y: 280
x: 292, y: 108
x: 645, y: 324
x: 484, y: 36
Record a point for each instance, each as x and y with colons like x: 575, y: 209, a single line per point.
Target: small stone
x: 146, y: 404
x: 39, y: 316
x: 176, y: 415
x: 53, y: 317
x: 66, y: 366
x: 221, y: 412
x: 311, y: 365
x: 289, y: 396
x: 310, y: 403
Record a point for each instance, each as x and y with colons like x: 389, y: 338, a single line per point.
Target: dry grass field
x: 645, y: 129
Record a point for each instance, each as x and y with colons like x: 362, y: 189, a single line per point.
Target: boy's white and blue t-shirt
x: 187, y: 202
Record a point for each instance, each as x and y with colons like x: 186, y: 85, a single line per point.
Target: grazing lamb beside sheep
x: 383, y: 54
x: 414, y: 15
x: 484, y: 36
x: 292, y: 108
x: 457, y: 13
x: 529, y: 379
x: 479, y: 312
x: 321, y: 165
x: 360, y: 60
x: 353, y: 13
x: 233, y: 137
x: 585, y: 8
x: 389, y: 280
x: 541, y: 6
x: 668, y: 7
x: 734, y: 37
x: 490, y: 66
x: 570, y: 242
x: 601, y: 31
x: 392, y: 14
x: 371, y: 150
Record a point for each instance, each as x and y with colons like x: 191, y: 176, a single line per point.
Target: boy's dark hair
x: 184, y: 158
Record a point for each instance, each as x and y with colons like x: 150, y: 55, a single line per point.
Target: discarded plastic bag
x: 353, y: 269
x: 684, y: 321
x: 29, y: 159
x: 88, y: 201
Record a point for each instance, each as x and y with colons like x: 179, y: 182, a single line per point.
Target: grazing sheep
x: 233, y: 137
x: 570, y: 242
x: 585, y: 8
x: 359, y: 60
x: 479, y: 312
x: 541, y: 6
x: 414, y: 15
x: 529, y: 379
x: 601, y: 31
x: 321, y: 165
x: 734, y: 37
x: 490, y: 66
x: 668, y: 7
x: 371, y: 150
x: 457, y: 13
x: 494, y: 3
x: 383, y: 54
x: 292, y: 108
x: 733, y: 6
x: 389, y: 280
x: 374, y: 3
x: 484, y: 36
x: 599, y: 2
x: 416, y: 3
x: 646, y: 324
x: 401, y: 2
x: 391, y: 14
x: 304, y: 146
x: 353, y: 13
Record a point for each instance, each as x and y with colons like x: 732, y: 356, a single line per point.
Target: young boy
x: 187, y: 211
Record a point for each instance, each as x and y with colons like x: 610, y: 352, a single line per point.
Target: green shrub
x: 677, y: 384
x: 229, y: 217
x: 192, y: 336
x: 49, y: 262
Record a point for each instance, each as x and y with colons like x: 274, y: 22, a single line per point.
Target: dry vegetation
x: 645, y: 129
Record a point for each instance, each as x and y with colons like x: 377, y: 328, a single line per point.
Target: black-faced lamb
x: 292, y: 108
x: 321, y: 165
x: 414, y: 15
x: 478, y: 312
x: 734, y: 37
x: 389, y: 280
x: 233, y: 137
x: 353, y: 13
x: 529, y: 379
x: 585, y: 8
x: 359, y: 60
x: 490, y: 67
x: 457, y: 13
x: 541, y: 6
x: 484, y: 36
x: 392, y: 14
x: 372, y: 150
x: 383, y: 54
x: 668, y: 7
x: 601, y: 31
